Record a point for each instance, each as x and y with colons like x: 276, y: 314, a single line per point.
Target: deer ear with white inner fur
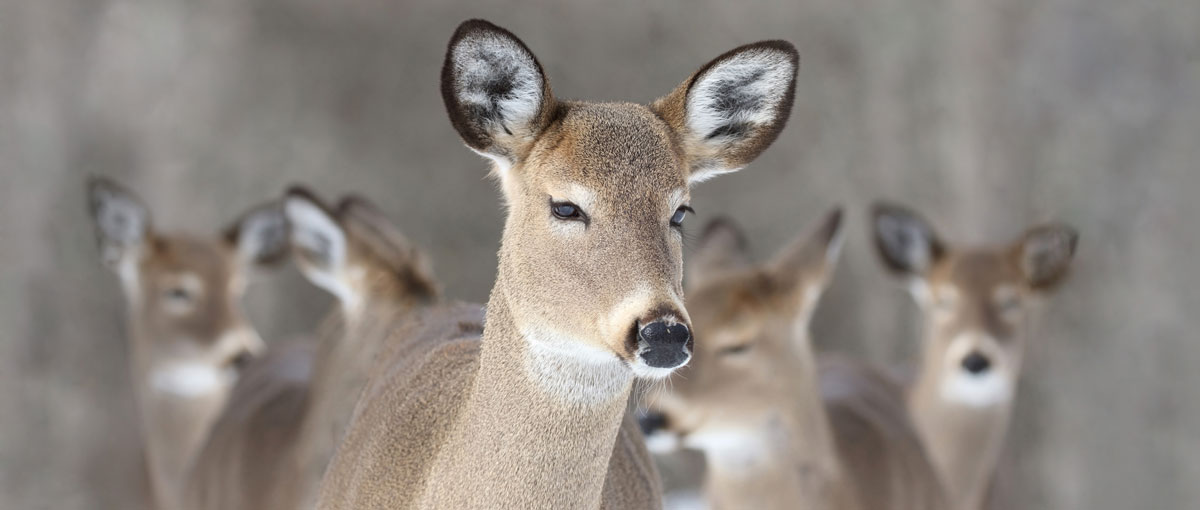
x: 318, y: 242
x: 906, y: 243
x: 733, y: 108
x: 1045, y: 253
x: 811, y: 260
x: 495, y: 92
x: 122, y: 221
x: 261, y: 235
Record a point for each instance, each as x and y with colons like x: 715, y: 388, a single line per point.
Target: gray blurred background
x: 986, y: 115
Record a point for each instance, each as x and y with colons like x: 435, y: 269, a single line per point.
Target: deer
x: 779, y: 426
x: 188, y: 336
x: 530, y: 408
x: 976, y: 303
x: 271, y: 444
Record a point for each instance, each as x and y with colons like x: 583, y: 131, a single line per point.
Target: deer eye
x: 734, y: 349
x: 178, y: 294
x: 567, y: 211
x: 680, y: 214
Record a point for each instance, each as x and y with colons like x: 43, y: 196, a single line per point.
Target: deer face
x: 753, y: 345
x: 591, y: 257
x: 975, y: 301
x: 190, y: 334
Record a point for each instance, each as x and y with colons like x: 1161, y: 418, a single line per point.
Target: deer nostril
x: 976, y: 363
x: 665, y: 346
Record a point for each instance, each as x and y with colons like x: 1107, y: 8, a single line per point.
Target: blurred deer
x: 976, y: 304
x: 531, y: 412
x: 779, y: 427
x: 188, y: 336
x: 272, y: 443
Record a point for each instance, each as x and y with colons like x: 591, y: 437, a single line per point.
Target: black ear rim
x: 783, y: 111
x: 880, y: 209
x: 471, y: 132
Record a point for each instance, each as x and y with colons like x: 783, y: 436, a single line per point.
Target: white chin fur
x: 979, y: 391
x: 189, y: 380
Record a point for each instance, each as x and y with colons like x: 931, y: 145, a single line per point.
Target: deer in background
x: 188, y: 336
x: 976, y: 304
x: 272, y: 443
x: 780, y: 427
x: 532, y: 411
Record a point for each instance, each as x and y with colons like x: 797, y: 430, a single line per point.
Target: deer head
x: 975, y: 300
x: 590, y: 264
x: 753, y: 361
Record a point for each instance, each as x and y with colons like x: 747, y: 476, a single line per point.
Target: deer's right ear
x: 906, y: 243
x: 317, y: 239
x: 122, y: 221
x: 495, y: 92
x: 733, y: 108
x: 722, y: 248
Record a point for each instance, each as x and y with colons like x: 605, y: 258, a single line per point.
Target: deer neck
x: 788, y: 457
x: 538, y: 427
x: 174, y: 426
x: 963, y: 440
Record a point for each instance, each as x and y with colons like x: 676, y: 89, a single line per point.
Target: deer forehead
x: 614, y: 149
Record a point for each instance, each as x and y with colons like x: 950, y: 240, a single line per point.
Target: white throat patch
x: 574, y: 371
x: 729, y: 448
x: 189, y: 379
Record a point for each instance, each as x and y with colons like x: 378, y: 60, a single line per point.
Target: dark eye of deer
x: 567, y: 211
x: 680, y: 214
x: 178, y: 294
x: 735, y: 349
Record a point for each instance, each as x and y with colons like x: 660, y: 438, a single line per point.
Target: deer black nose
x: 663, y: 345
x: 976, y: 363
x: 651, y: 422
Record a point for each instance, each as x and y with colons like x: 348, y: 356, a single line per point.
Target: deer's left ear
x: 260, y: 235
x: 1044, y: 254
x: 733, y: 108
x: 811, y: 260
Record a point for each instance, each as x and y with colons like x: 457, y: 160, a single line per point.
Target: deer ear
x: 495, y: 92
x: 318, y: 242
x: 813, y: 258
x: 1044, y: 254
x: 261, y: 235
x: 122, y: 221
x: 733, y: 108
x: 906, y: 243
x: 722, y: 248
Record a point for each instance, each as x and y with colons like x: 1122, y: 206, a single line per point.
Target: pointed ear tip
x: 723, y: 223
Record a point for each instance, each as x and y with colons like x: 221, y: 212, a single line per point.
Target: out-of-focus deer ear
x: 261, y: 235
x: 812, y: 258
x: 122, y: 222
x: 722, y: 248
x: 733, y: 108
x: 1045, y: 253
x: 906, y: 243
x: 318, y: 241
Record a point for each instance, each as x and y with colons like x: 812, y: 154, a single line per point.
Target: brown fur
x: 183, y: 294
x: 983, y: 296
x: 278, y: 432
x: 532, y: 412
x: 782, y: 429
